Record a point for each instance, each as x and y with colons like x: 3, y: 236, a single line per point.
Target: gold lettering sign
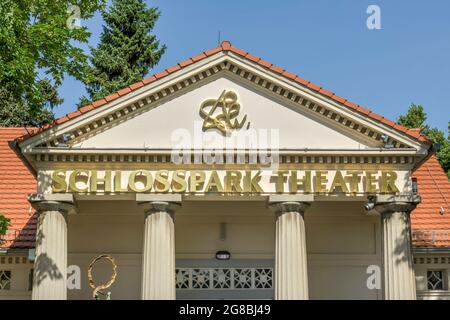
x: 225, y: 119
x: 225, y: 181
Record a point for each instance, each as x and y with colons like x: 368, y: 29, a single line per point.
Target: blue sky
x: 324, y: 41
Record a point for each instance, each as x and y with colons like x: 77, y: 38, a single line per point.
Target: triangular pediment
x: 186, y: 122
x: 170, y: 113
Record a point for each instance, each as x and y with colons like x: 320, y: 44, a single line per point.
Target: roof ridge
x: 226, y: 46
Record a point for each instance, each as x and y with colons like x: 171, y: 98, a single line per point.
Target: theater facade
x: 224, y: 177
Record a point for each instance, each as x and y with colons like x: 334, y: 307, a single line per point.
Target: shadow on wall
x: 44, y: 267
x: 403, y: 244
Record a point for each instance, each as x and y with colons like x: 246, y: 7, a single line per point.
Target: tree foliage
x: 15, y: 113
x: 37, y: 49
x: 416, y: 117
x: 127, y: 49
x: 4, y: 223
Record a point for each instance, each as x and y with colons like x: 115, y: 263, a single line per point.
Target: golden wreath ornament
x: 98, y: 290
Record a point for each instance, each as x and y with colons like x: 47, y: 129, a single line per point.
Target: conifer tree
x: 127, y: 49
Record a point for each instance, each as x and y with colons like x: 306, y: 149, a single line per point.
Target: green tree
x: 37, y: 49
x: 4, y: 223
x: 127, y: 49
x: 416, y: 117
x: 15, y: 113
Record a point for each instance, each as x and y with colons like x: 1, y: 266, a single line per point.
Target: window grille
x: 435, y: 279
x: 5, y: 280
x: 224, y: 278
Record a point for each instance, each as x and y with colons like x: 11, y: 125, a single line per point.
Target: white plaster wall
x: 162, y: 126
x: 341, y: 242
x: 115, y: 228
x: 337, y: 256
x: 19, y: 280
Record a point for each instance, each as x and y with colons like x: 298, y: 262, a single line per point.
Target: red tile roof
x: 430, y: 221
x: 226, y: 46
x: 16, y: 182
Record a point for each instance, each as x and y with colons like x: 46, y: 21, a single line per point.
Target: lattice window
x: 435, y: 279
x: 263, y: 278
x: 221, y: 278
x: 224, y: 278
x: 5, y: 280
x: 243, y: 278
x: 182, y: 278
x: 201, y: 278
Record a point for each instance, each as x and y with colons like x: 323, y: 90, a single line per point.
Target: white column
x: 399, y: 277
x: 158, y: 261
x: 291, y: 274
x: 50, y: 265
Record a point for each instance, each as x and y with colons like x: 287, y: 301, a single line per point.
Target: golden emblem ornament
x: 225, y: 120
x: 98, y: 290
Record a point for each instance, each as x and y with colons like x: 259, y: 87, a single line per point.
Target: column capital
x: 281, y: 204
x: 387, y: 204
x: 154, y: 203
x: 63, y: 203
x: 284, y: 207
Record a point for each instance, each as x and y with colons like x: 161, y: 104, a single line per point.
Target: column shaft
x: 291, y: 264
x: 291, y: 275
x: 158, y: 262
x: 50, y: 266
x: 399, y: 279
x: 399, y: 276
